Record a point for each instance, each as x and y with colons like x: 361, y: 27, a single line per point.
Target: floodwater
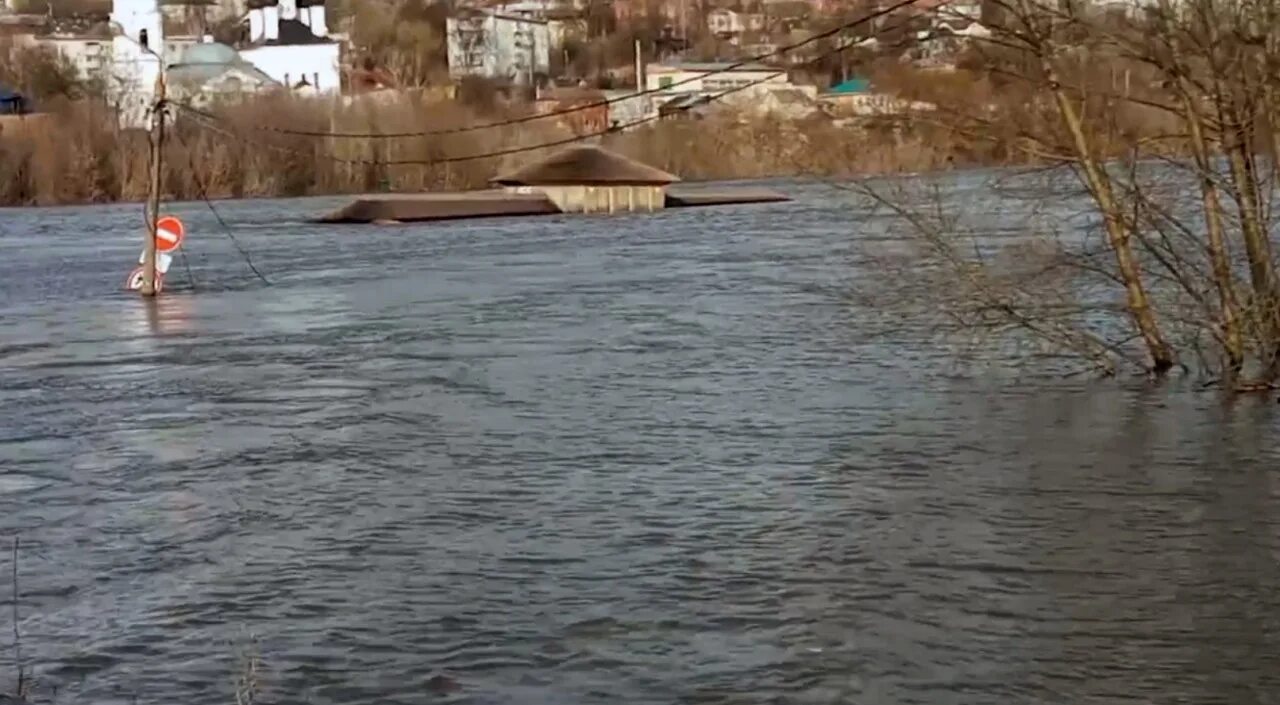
x: 593, y: 460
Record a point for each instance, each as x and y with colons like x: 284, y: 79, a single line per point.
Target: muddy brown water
x: 594, y: 460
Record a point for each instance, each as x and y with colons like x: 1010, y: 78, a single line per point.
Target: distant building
x: 630, y: 11
x: 590, y: 179
x: 209, y: 72
x: 941, y: 44
x: 683, y: 87
x: 86, y: 46
x: 628, y: 109
x: 856, y: 98
x: 787, y: 103
x: 731, y: 24
x: 137, y: 56
x: 566, y: 19
x: 20, y: 30
x: 539, y: 9
x: 289, y: 41
x: 583, y: 112
x: 712, y: 78
x: 950, y: 10
x: 498, y: 46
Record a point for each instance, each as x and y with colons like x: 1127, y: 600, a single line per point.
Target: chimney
x: 288, y: 9
x: 319, y: 25
x: 257, y: 32
x: 271, y: 23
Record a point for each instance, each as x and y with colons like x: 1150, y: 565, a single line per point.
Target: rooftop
x: 254, y: 4
x: 850, y: 87
x: 201, y: 63
x: 586, y: 164
x: 723, y: 66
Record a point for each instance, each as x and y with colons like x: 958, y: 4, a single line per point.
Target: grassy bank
x: 76, y: 155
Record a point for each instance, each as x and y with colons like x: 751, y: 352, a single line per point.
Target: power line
x: 211, y: 121
x: 870, y: 17
x: 226, y: 229
x: 514, y: 150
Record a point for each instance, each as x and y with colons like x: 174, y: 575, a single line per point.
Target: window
x: 142, y: 39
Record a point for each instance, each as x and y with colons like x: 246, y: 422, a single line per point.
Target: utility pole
x: 533, y: 59
x: 684, y: 30
x: 639, y: 68
x: 153, y: 199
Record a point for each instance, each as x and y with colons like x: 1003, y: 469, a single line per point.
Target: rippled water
x: 594, y: 460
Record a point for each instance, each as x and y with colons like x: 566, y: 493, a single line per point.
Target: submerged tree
x: 1164, y: 119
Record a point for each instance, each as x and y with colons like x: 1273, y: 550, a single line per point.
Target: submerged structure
x: 582, y: 179
x: 590, y: 179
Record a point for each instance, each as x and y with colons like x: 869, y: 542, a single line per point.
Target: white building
x: 714, y: 79
x: 137, y: 55
x: 498, y: 46
x: 289, y: 41
x: 208, y: 72
x: 89, y: 53
x: 730, y: 23
x: 751, y: 86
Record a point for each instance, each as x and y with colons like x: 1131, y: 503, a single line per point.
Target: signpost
x: 169, y: 235
x: 149, y: 273
x: 137, y: 276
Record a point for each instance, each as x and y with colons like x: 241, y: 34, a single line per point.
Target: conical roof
x: 586, y: 164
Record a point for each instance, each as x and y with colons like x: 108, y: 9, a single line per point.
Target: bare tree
x: 1178, y: 167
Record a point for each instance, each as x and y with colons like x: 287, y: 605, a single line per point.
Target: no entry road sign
x: 169, y: 234
x: 134, y: 282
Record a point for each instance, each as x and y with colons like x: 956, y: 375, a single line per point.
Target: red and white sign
x: 162, y: 261
x: 169, y: 234
x: 134, y: 282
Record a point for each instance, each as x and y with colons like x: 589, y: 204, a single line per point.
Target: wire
x: 607, y: 101
x: 210, y: 120
x: 511, y: 150
x: 226, y: 229
x: 187, y: 265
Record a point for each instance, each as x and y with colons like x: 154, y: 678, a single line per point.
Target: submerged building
x: 591, y: 179
x: 583, y: 179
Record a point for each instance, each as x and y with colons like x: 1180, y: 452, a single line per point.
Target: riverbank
x: 77, y: 156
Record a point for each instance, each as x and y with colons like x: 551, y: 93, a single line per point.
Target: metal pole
x: 533, y: 59
x: 153, y: 200
x: 684, y: 31
x: 639, y: 69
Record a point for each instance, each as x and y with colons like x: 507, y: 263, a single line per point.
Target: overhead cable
x: 869, y: 17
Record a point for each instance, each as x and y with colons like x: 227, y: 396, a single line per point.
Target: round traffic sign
x: 134, y: 282
x: 169, y: 234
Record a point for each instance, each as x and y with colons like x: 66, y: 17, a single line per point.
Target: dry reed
x: 77, y: 155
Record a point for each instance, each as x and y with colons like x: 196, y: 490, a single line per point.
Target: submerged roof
x: 586, y: 164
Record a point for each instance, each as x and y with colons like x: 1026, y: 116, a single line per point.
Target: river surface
x: 593, y: 460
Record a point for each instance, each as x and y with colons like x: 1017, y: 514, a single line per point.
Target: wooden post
x: 153, y: 199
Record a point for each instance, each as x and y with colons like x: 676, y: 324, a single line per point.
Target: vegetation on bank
x: 76, y: 155
x: 1166, y: 121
